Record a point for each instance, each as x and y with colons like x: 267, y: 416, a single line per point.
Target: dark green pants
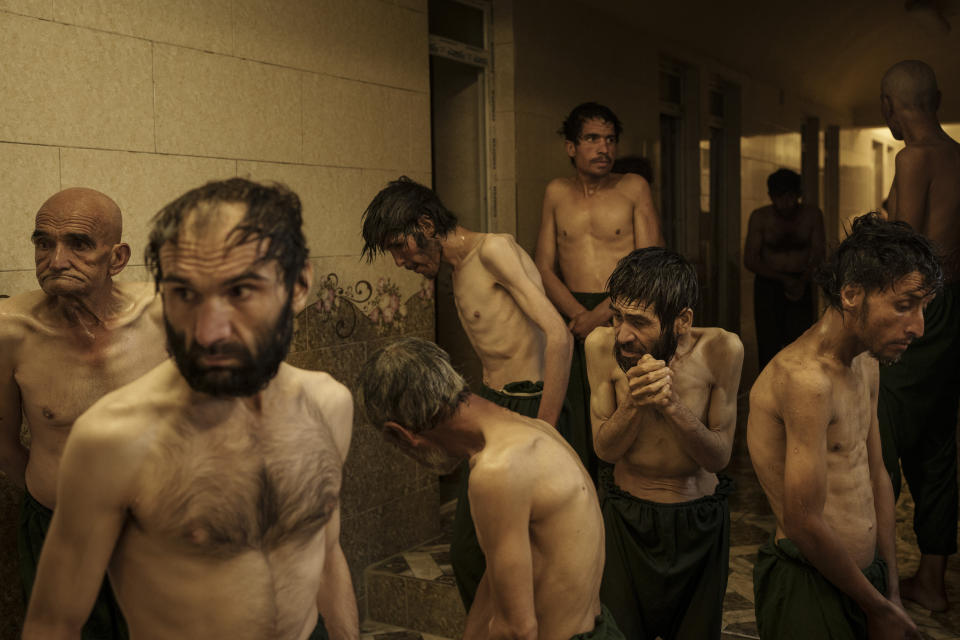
x: 106, y: 621
x: 605, y: 628
x: 667, y: 564
x: 465, y: 553
x: 793, y: 600
x: 917, y: 409
x: 578, y: 395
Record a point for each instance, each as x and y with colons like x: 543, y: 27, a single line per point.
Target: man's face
x: 891, y: 319
x: 594, y: 152
x: 71, y: 248
x: 637, y: 332
x: 424, y: 260
x: 785, y: 203
x: 228, y: 314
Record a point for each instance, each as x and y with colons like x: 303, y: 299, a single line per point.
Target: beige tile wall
x: 144, y: 99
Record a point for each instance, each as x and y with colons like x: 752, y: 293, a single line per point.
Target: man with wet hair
x: 62, y: 348
x: 664, y: 408
x: 830, y: 570
x: 523, y: 345
x: 785, y: 243
x: 534, y: 506
x: 590, y: 220
x: 919, y: 395
x: 209, y: 488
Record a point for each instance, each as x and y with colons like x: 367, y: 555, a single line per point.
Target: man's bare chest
x: 606, y: 219
x: 481, y: 302
x: 223, y: 494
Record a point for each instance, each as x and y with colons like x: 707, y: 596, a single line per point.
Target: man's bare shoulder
x: 719, y: 342
x: 632, y: 184
x: 793, y: 376
x: 21, y: 308
x: 599, y: 342
x: 761, y: 214
x: 325, y: 395
x: 495, y: 248
x: 559, y: 187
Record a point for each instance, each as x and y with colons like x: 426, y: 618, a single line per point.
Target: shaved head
x: 913, y: 85
x: 98, y: 209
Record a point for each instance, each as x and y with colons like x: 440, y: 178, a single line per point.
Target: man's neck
x: 836, y: 336
x: 463, y: 434
x: 922, y: 128
x: 590, y: 184
x: 92, y: 310
x: 458, y: 244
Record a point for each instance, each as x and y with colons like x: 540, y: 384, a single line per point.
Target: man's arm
x: 545, y: 256
x: 646, y: 221
x: 501, y: 257
x: 94, y: 489
x: 13, y: 455
x: 911, y: 184
x: 710, y: 444
x: 806, y: 402
x: 614, y: 427
x: 500, y: 501
x: 335, y: 597
x: 882, y: 496
x: 753, y: 248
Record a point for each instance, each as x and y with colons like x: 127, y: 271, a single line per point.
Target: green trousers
x: 578, y: 395
x: 667, y: 564
x: 793, y: 601
x: 917, y: 410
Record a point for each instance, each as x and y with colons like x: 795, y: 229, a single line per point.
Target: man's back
x: 229, y: 508
x: 565, y: 525
x: 926, y: 193
x: 61, y: 367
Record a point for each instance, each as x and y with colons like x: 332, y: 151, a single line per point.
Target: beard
x: 663, y: 349
x: 245, y: 379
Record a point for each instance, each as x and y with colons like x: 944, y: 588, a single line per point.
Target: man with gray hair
x: 533, y: 504
x: 919, y: 394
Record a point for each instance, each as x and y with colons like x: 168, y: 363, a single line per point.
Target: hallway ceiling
x: 831, y: 52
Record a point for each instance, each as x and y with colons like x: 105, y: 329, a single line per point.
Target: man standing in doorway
x: 785, y: 243
x: 520, y: 339
x: 919, y: 395
x: 590, y: 220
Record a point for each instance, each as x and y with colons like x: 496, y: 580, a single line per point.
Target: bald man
x: 919, y: 395
x: 61, y: 349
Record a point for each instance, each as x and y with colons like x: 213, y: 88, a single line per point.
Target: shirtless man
x: 590, y: 221
x: 785, y: 242
x: 61, y: 349
x: 209, y: 487
x: 919, y: 395
x: 664, y: 408
x: 533, y: 503
x: 831, y: 569
x: 519, y: 337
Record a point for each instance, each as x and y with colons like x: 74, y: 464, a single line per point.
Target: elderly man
x: 533, y: 504
x: 520, y: 338
x: 830, y: 570
x: 664, y: 407
x: 62, y: 348
x: 209, y: 488
x: 919, y: 395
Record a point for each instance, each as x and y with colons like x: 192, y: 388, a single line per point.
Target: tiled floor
x: 751, y: 525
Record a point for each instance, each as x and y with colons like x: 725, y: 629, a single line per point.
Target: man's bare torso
x: 225, y: 536
x: 787, y: 241
x: 849, y: 508
x: 937, y: 165
x: 593, y: 232
x: 510, y: 346
x: 656, y: 467
x: 61, y: 368
x: 566, y: 526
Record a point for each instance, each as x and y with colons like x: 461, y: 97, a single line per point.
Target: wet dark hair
x: 655, y: 276
x: 783, y: 181
x: 395, y: 212
x: 273, y: 214
x: 411, y: 382
x: 634, y: 164
x: 573, y: 126
x: 875, y: 254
